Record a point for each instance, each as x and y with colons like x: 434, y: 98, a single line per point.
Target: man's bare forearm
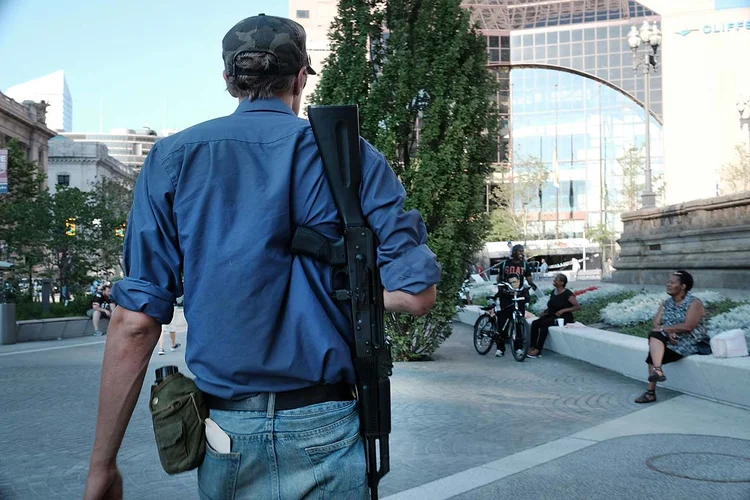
x: 130, y: 342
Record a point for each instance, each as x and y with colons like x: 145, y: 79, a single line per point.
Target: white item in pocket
x: 216, y: 438
x: 731, y: 344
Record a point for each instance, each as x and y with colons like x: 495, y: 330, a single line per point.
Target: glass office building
x: 128, y: 146
x: 569, y: 98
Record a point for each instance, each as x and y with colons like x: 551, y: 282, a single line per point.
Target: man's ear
x: 301, y: 80
x: 224, y: 74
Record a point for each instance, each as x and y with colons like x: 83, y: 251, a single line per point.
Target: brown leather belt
x: 288, y: 400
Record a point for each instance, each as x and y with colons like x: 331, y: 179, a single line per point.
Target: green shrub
x: 27, y: 309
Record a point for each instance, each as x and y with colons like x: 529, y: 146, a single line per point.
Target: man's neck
x: 286, y: 98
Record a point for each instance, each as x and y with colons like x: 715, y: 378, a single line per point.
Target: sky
x: 135, y: 63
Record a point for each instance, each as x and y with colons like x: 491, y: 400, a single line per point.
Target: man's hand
x: 559, y: 313
x: 418, y: 305
x: 673, y: 338
x: 103, y: 483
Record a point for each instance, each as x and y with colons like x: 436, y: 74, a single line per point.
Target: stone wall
x: 710, y: 238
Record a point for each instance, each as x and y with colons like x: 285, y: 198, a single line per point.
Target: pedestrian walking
x: 269, y: 347
x: 171, y: 330
x: 575, y: 267
x: 544, y: 267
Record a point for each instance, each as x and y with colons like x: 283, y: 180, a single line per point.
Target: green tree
x: 23, y: 216
x: 504, y: 224
x: 426, y: 105
x: 72, y: 258
x: 632, y: 167
x: 111, y: 201
x: 603, y: 236
x: 530, y: 176
x: 735, y: 176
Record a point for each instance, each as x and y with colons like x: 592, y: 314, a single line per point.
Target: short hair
x: 562, y: 278
x: 260, y: 86
x: 685, y: 279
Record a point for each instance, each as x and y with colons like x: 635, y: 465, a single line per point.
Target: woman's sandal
x: 657, y: 376
x: 647, y: 397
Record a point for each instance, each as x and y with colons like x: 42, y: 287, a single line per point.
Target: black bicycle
x: 515, y: 329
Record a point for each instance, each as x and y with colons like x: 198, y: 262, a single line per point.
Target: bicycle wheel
x: 483, y: 334
x: 520, y: 338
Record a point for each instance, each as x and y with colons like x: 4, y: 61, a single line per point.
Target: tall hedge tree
x: 24, y: 216
x: 425, y: 99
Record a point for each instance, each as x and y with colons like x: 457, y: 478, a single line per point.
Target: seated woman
x: 562, y: 304
x: 678, y: 327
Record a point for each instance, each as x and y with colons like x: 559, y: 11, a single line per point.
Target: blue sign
x: 709, y: 29
x: 726, y: 27
x: 730, y: 4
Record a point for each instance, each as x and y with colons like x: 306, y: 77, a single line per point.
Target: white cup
x: 560, y: 322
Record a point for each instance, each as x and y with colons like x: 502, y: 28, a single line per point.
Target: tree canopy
x: 418, y: 72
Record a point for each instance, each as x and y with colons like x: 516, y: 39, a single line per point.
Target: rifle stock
x: 336, y: 130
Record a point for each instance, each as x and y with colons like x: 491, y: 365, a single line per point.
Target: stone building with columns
x: 81, y: 164
x: 26, y: 122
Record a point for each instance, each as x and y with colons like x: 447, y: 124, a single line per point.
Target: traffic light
x: 120, y: 231
x: 70, y: 227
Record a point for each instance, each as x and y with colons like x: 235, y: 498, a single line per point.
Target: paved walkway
x: 464, y: 425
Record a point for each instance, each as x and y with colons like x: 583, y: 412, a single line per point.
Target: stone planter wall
x: 55, y: 328
x: 709, y: 238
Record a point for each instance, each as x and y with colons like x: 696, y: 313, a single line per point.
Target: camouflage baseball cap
x: 278, y: 36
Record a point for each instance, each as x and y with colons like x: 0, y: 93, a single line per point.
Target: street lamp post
x: 744, y: 120
x: 649, y: 36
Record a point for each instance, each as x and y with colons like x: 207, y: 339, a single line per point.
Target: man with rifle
x: 285, y: 325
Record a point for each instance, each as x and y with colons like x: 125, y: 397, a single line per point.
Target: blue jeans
x: 314, y: 452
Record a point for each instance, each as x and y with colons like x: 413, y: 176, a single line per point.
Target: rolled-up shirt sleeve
x: 151, y: 252
x: 405, y: 261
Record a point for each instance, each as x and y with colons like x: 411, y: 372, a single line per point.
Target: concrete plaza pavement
x: 464, y: 425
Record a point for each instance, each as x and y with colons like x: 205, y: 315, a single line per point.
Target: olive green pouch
x: 178, y: 411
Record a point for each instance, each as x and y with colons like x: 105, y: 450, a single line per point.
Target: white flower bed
x: 739, y: 317
x: 632, y: 311
x: 480, y: 291
x: 709, y: 297
x: 642, y: 308
x: 539, y: 306
x: 604, y: 291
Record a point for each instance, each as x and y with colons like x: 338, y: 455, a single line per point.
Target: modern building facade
x: 26, y: 123
x: 52, y: 89
x: 128, y: 146
x: 571, y: 100
x: 316, y: 16
x: 81, y: 164
x: 570, y: 103
x: 706, y: 46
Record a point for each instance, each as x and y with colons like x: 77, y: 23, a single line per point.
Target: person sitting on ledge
x: 562, y: 304
x: 677, y: 330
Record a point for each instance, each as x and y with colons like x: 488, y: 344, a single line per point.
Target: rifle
x: 354, y: 258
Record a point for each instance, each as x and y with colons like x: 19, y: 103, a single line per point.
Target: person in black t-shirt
x: 562, y: 304
x: 515, y: 272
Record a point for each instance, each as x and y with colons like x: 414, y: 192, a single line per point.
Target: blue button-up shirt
x: 215, y: 208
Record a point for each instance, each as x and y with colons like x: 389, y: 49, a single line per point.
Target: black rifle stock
x: 336, y: 130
